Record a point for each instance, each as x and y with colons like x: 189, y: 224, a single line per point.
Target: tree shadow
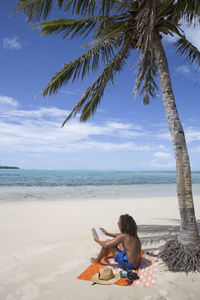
x: 145, y: 263
x: 152, y: 234
x: 159, y: 234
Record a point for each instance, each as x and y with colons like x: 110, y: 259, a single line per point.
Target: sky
x: 124, y: 134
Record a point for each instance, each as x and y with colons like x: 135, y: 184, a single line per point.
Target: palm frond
x: 189, y: 10
x: 94, y: 92
x: 102, y: 8
x: 165, y: 7
x: 60, y: 2
x: 106, y: 28
x: 169, y: 27
x: 75, y: 27
x: 80, y: 7
x: 83, y: 64
x: 37, y: 9
x: 112, y: 32
x: 145, y: 25
x: 188, y: 50
x: 65, y: 27
x: 150, y: 88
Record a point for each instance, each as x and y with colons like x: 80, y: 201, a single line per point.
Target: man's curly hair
x: 128, y: 225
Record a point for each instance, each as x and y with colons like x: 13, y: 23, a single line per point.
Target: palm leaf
x: 80, y: 7
x: 150, y: 88
x: 95, y: 91
x: 169, y: 27
x: 109, y: 27
x: 187, y: 49
x: 37, y: 9
x: 75, y: 27
x: 145, y: 24
x: 188, y: 10
x: 82, y: 65
x: 165, y: 7
x: 101, y: 7
x: 109, y: 33
x: 65, y: 27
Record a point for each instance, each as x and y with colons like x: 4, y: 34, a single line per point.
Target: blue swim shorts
x: 123, y: 260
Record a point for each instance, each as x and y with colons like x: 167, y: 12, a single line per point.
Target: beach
x: 45, y: 245
x: 97, y: 151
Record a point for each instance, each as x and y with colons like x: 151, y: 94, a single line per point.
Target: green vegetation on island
x: 5, y: 167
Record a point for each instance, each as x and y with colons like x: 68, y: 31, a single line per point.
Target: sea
x: 27, y: 185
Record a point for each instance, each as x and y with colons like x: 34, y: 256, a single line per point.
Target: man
x: 129, y: 258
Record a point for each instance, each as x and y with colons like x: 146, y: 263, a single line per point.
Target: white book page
x: 99, y: 233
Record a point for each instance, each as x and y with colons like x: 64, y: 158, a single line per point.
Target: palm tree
x: 120, y: 27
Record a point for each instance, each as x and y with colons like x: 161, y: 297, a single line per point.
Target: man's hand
x: 95, y: 238
x: 104, y: 231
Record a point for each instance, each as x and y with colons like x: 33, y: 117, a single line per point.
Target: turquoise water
x: 83, y: 178
x: 61, y: 184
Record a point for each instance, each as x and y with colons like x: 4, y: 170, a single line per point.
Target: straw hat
x: 106, y: 276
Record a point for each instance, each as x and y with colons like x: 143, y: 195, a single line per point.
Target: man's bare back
x: 132, y: 248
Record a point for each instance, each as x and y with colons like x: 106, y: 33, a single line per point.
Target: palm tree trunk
x: 188, y: 231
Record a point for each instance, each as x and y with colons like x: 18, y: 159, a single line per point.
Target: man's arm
x: 110, y: 243
x: 110, y: 234
x: 113, y: 234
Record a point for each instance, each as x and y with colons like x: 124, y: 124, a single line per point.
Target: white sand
x: 44, y: 245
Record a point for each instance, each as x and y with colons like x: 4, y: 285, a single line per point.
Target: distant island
x: 5, y: 167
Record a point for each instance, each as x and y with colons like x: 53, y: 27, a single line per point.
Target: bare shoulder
x: 122, y: 236
x: 127, y: 236
x: 130, y: 238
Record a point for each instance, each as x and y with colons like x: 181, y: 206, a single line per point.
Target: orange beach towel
x: 147, y: 272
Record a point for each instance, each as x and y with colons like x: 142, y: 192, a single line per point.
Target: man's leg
x: 103, y: 253
x: 114, y: 251
x: 120, y: 246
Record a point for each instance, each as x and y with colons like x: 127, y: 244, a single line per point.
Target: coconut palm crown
x: 116, y: 29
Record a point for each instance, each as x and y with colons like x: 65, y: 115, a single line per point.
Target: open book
x: 99, y: 233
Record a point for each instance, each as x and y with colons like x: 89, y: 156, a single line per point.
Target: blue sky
x: 124, y: 134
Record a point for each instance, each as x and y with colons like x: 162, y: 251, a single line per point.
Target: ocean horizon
x: 26, y: 185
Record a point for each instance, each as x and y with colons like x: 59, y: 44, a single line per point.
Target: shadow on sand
x: 151, y: 235
x: 159, y: 234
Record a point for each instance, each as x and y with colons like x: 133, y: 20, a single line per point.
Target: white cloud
x: 192, y: 34
x: 162, y: 154
x: 72, y: 92
x: 51, y: 112
x: 39, y: 131
x: 196, y: 149
x: 126, y: 126
x: 184, y: 69
x: 164, y: 136
x: 162, y: 161
x: 8, y: 101
x: 162, y: 147
x: 156, y: 164
x: 12, y: 44
x: 192, y: 134
x: 108, y: 146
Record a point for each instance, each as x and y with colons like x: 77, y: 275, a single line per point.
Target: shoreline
x: 37, y: 193
x: 45, y: 245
